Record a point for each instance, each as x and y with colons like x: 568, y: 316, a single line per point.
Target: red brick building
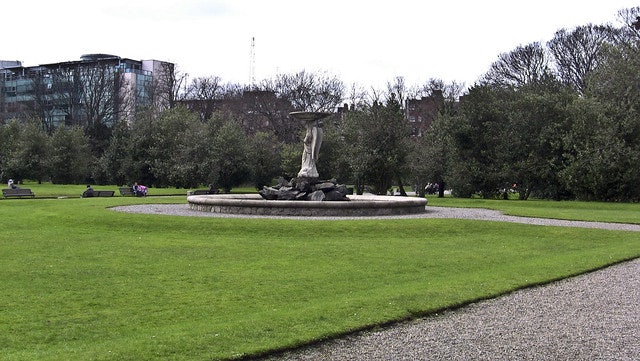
x: 420, y: 113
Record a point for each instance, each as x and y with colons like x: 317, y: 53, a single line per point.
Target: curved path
x: 431, y: 212
x: 595, y: 316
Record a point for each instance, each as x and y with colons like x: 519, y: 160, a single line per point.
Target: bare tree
x: 3, y: 104
x: 49, y: 98
x: 398, y: 90
x: 308, y: 91
x: 524, y: 65
x: 630, y: 32
x: 450, y: 93
x: 356, y: 96
x: 42, y: 103
x: 97, y: 86
x: 577, y: 52
x: 161, y: 91
x: 203, y: 95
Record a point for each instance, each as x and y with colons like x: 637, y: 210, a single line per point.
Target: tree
x: 141, y: 149
x: 103, y: 97
x: 290, y: 158
x: 28, y: 160
x: 524, y: 65
x: 578, y: 52
x: 178, y: 148
x: 43, y: 106
x: 70, y: 160
x: 430, y: 158
x: 264, y: 111
x: 479, y: 132
x: 398, y: 90
x: 308, y: 91
x: 115, y: 166
x: 535, y: 146
x: 265, y: 159
x: 9, y: 139
x: 52, y: 97
x: 630, y: 32
x: 451, y: 93
x: 331, y: 163
x: 602, y: 165
x: 376, y: 145
x: 203, y: 95
x: 605, y: 136
x: 231, y: 154
x: 506, y: 136
x: 165, y: 88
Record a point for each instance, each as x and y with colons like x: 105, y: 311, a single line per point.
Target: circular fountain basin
x: 359, y: 205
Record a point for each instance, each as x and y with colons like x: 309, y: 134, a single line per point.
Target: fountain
x: 307, y: 195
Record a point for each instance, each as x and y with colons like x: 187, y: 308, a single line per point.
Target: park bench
x: 199, y: 192
x: 126, y: 191
x: 102, y: 193
x: 17, y: 192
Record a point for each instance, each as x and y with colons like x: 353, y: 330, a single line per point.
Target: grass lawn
x: 48, y: 190
x: 81, y: 282
x: 568, y: 210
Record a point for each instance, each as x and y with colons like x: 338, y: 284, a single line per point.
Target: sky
x: 363, y: 42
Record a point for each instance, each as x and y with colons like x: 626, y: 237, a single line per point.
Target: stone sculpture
x: 308, y: 186
x: 312, y: 142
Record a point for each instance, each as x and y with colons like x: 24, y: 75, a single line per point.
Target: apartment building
x: 98, y: 88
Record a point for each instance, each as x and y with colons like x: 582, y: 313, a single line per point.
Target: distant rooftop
x: 98, y: 56
x: 10, y: 63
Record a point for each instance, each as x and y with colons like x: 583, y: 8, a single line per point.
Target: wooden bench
x: 199, y: 192
x: 17, y: 192
x: 103, y: 193
x: 127, y: 191
x: 98, y: 193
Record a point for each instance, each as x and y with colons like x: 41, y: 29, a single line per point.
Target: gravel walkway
x: 431, y: 212
x: 595, y: 316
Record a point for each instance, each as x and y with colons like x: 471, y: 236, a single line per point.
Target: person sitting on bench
x: 88, y: 192
x: 12, y: 185
x: 139, y: 190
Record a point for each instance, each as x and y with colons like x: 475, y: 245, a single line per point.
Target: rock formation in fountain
x: 306, y: 189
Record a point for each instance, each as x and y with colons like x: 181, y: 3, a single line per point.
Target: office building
x: 98, y: 89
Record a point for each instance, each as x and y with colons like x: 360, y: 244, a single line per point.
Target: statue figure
x: 312, y: 142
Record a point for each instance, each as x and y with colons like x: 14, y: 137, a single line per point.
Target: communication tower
x: 252, y: 63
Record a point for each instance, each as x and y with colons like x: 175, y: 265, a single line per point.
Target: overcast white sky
x: 367, y: 42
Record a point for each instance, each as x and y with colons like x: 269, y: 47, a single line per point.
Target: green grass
x: 568, y: 210
x: 83, y: 282
x: 49, y: 190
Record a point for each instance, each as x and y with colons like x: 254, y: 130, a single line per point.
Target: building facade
x: 97, y: 89
x: 420, y: 113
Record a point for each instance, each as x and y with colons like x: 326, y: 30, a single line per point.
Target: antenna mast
x: 252, y: 63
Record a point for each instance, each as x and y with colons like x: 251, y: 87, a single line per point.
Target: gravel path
x: 595, y: 316
x: 431, y: 212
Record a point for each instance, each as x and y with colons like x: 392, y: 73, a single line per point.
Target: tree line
x: 557, y: 121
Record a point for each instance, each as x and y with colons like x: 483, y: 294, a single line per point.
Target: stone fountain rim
x: 359, y: 205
